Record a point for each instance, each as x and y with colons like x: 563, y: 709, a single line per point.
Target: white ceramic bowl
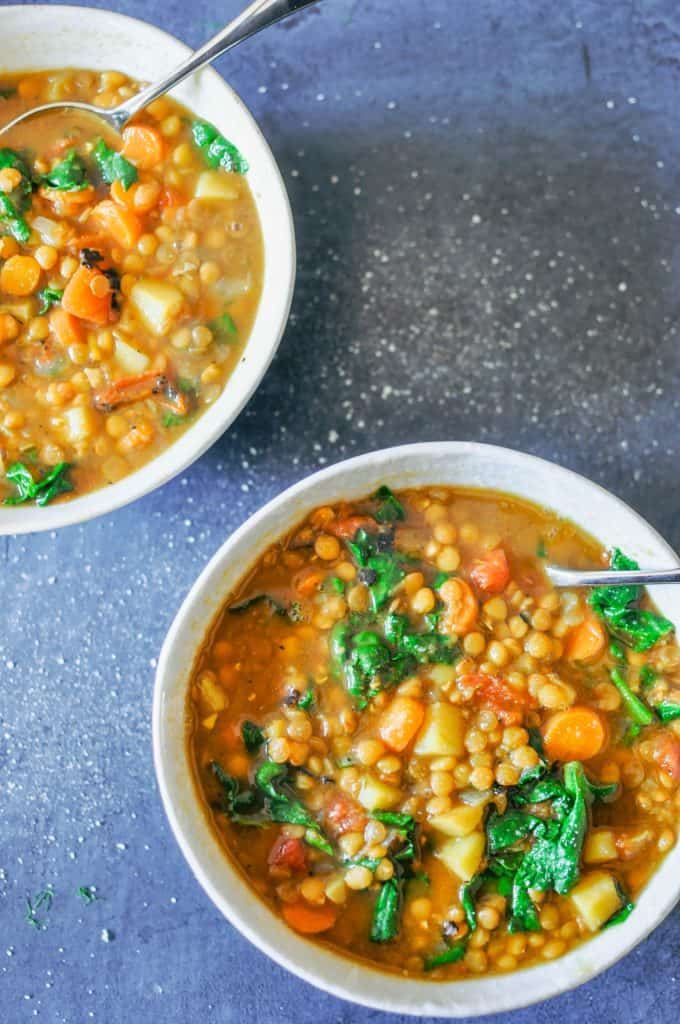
x: 88, y: 38
x: 455, y: 463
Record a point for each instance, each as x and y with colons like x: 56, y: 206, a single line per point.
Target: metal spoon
x: 606, y: 577
x: 260, y: 14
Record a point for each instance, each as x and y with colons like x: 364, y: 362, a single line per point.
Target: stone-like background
x: 487, y: 206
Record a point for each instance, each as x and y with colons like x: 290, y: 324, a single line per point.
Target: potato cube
x: 463, y: 855
x: 157, y: 303
x: 213, y: 696
x: 130, y: 359
x: 458, y: 822
x: 600, y: 846
x: 442, y: 675
x: 596, y: 898
x: 442, y: 732
x: 375, y: 795
x: 79, y: 423
x: 217, y: 185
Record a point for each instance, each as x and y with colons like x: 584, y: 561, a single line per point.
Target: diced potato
x: 442, y: 675
x: 336, y: 890
x: 22, y: 310
x: 130, y: 359
x: 442, y: 732
x: 213, y: 696
x: 375, y: 795
x: 209, y: 722
x: 95, y: 377
x: 596, y: 898
x: 157, y: 303
x: 217, y: 185
x: 458, y: 822
x: 600, y: 846
x: 80, y: 423
x: 464, y: 855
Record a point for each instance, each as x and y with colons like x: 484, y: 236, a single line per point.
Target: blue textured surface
x: 488, y: 213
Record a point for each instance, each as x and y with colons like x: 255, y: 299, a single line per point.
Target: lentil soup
x: 421, y: 753
x: 130, y: 275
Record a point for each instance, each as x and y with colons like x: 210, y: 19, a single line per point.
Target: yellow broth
x: 125, y: 305
x: 449, y: 742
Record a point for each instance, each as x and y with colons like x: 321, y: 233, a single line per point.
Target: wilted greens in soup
x: 130, y: 273
x: 421, y: 752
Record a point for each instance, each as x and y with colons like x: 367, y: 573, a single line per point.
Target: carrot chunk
x: 143, y: 146
x: 117, y: 221
x: 491, y: 573
x: 68, y: 330
x: 586, y: 642
x: 307, y: 919
x: 80, y: 300
x: 400, y: 722
x: 576, y: 734
x: 19, y: 275
x: 140, y: 197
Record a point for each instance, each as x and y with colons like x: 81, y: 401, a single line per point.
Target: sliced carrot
x: 307, y: 919
x: 461, y: 607
x: 120, y: 223
x: 143, y: 145
x: 400, y: 722
x: 576, y: 734
x: 491, y: 573
x: 67, y: 328
x: 140, y: 197
x: 69, y: 204
x: 587, y: 641
x: 20, y: 275
x: 80, y: 300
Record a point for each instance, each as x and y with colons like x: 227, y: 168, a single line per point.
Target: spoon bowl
x: 609, y: 578
x: 260, y: 14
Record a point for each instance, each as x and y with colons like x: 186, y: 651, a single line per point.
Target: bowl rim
x: 210, y: 426
x: 320, y: 966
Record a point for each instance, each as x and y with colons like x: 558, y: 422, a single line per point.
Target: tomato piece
x: 667, y: 756
x: 491, y: 573
x: 288, y: 853
x: 347, y: 527
x: 498, y: 696
x: 344, y: 815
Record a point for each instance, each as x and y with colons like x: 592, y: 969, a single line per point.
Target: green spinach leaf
x: 390, y: 509
x: 218, y: 151
x: 68, y: 176
x: 41, y: 491
x: 617, y: 606
x: 253, y: 737
x: 48, y: 297
x: 113, y: 166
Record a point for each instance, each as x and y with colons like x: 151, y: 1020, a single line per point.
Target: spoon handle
x: 605, y: 577
x: 257, y: 16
